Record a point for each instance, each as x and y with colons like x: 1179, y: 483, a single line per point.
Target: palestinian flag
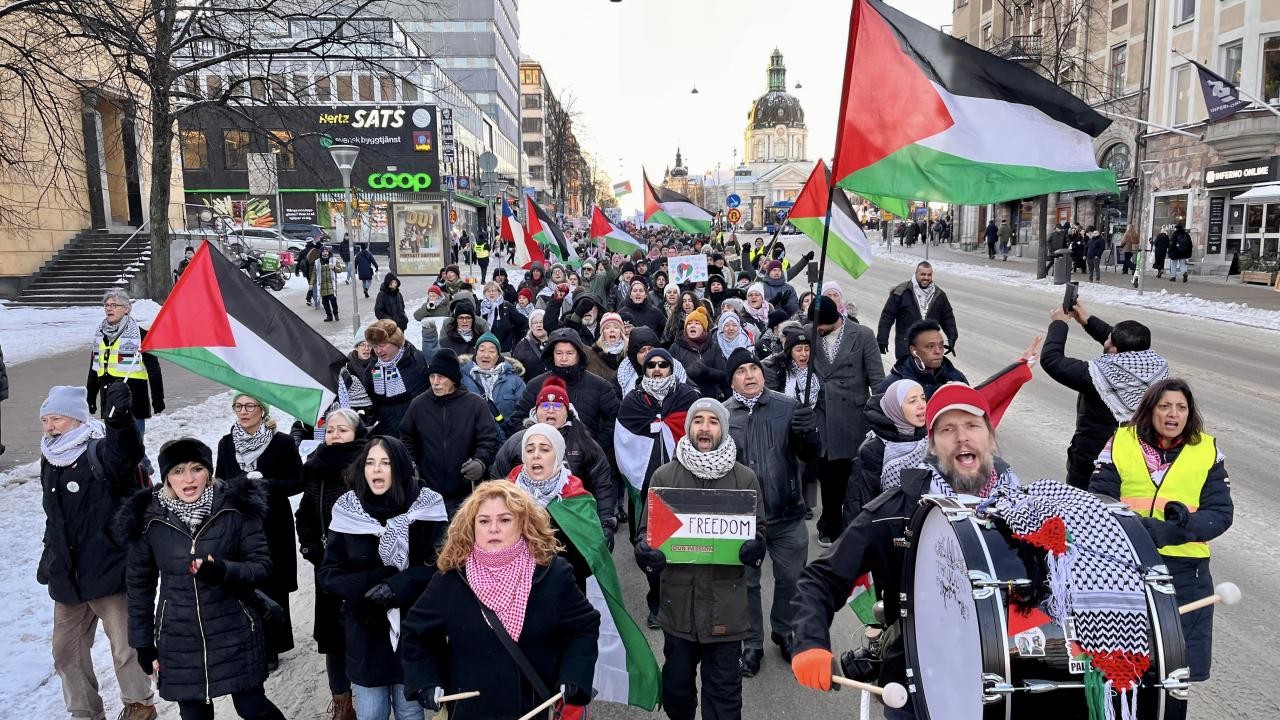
x: 1001, y: 388
x: 626, y: 671
x: 528, y: 251
x: 979, y: 130
x: 615, y: 238
x: 638, y: 430
x: 219, y: 325
x: 847, y: 242
x: 545, y: 231
x: 670, y: 208
x: 705, y: 527
x: 622, y: 188
x: 863, y: 599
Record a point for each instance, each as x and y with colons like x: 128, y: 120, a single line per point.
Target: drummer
x: 961, y: 460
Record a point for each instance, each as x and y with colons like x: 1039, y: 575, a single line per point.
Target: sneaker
x: 1159, y: 274
x: 138, y: 711
x: 824, y: 541
x: 652, y: 622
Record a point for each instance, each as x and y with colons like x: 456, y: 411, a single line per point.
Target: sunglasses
x: 657, y: 365
x: 551, y: 406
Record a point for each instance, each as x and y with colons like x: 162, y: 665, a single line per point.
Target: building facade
x: 535, y: 98
x: 774, y: 151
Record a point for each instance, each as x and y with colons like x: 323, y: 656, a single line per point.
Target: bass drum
x: 970, y: 656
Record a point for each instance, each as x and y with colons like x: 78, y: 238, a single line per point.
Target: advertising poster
x: 417, y: 242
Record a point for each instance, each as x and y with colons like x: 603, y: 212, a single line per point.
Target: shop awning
x: 1264, y: 193
x: 477, y: 202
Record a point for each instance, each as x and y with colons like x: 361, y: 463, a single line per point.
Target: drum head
x: 945, y: 644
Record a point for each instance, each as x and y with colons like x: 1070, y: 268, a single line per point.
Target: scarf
x: 351, y: 392
x: 130, y: 336
x: 351, y: 517
x: 526, y: 310
x: 628, y: 376
x: 489, y: 309
x: 999, y: 477
x: 615, y: 347
x: 659, y: 388
x: 1123, y: 378
x: 831, y: 343
x: 543, y: 491
x: 727, y: 346
x: 749, y: 402
x: 192, y: 514
x: 467, y: 335
x: 899, y: 456
x: 250, y: 447
x: 487, y: 379
x: 502, y: 580
x: 707, y: 465
x: 760, y: 314
x: 67, y: 447
x: 387, y: 381
x: 795, y: 384
x: 924, y: 296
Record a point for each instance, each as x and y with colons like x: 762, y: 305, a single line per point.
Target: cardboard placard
x: 702, y: 527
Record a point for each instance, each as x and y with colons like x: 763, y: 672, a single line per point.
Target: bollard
x: 1062, y: 267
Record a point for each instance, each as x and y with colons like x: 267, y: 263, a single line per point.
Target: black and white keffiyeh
x: 659, y: 388
x: 628, y: 378
x: 192, y: 513
x: 924, y: 296
x: 707, y: 465
x: 1121, y: 379
x: 796, y: 382
x: 899, y: 456
x: 748, y: 402
x: 545, y: 491
x: 250, y: 446
x: 831, y: 343
x: 130, y: 336
x: 387, y: 381
x: 350, y: 517
x: 1001, y: 476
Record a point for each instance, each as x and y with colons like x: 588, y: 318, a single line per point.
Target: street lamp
x: 344, y: 156
x: 1148, y: 167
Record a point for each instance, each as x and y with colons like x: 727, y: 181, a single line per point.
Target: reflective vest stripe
x: 1183, y: 482
x: 482, y: 251
x: 128, y: 366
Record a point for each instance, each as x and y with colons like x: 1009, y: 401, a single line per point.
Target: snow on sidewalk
x: 58, y: 329
x: 1180, y: 303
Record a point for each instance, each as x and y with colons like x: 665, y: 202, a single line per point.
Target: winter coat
x: 443, y: 433
x: 705, y: 603
x: 1180, y: 247
x: 846, y: 383
x: 147, y: 394
x: 1161, y: 246
x: 780, y: 294
x: 210, y: 641
x: 908, y: 368
x: 901, y: 311
x: 388, y: 411
x: 1097, y: 246
x: 79, y: 561
x: 992, y: 233
x: 447, y: 643
x: 324, y: 481
x: 324, y: 276
x: 595, y: 399
x: 366, y: 265
x: 645, y: 314
x: 350, y: 569
x: 534, y: 283
x: 767, y: 444
x: 529, y: 352
x: 450, y: 338
x: 281, y: 469
x: 508, y: 326
x: 1005, y: 234
x: 602, y: 363
x: 584, y: 457
x: 705, y: 366
x: 390, y: 302
x: 506, y: 391
x: 864, y: 483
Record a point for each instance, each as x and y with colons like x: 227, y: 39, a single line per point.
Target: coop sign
x: 417, y: 182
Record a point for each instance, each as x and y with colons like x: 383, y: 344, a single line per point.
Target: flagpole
x: 817, y: 290
x: 1158, y: 126
x: 1238, y: 89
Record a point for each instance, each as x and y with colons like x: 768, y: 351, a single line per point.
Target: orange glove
x: 813, y: 668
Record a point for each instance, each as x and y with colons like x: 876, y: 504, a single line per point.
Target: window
x: 1271, y: 70
x: 282, y: 146
x: 530, y: 76
x: 366, y: 88
x: 986, y: 36
x: 1180, y: 95
x: 195, y: 152
x: 235, y: 149
x: 408, y: 90
x: 1119, y: 17
x: 536, y: 173
x: 324, y: 88
x: 986, y: 5
x: 1183, y: 11
x: 532, y: 102
x: 1232, y: 57
x: 213, y: 85
x: 531, y: 125
x: 961, y: 3
x: 533, y: 149
x: 258, y: 88
x: 387, y: 88
x: 302, y: 87
x: 345, y: 91
x: 279, y: 87
x: 1119, y: 59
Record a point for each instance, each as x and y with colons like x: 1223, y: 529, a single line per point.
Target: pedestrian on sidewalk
x: 84, y: 572
x: 1179, y: 252
x: 324, y: 280
x: 366, y: 268
x: 1129, y: 246
x: 117, y: 356
x: 1057, y: 241
x: 991, y: 235
x: 1093, y: 255
x: 1161, y: 247
x: 389, y: 304
x: 1004, y: 236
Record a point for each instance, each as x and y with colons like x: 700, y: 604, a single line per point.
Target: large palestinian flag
x: 639, y: 428
x: 528, y: 251
x: 927, y: 116
x: 218, y: 324
x: 615, y: 238
x: 670, y: 208
x: 847, y: 242
x: 543, y: 229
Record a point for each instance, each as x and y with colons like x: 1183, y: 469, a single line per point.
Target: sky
x: 630, y: 67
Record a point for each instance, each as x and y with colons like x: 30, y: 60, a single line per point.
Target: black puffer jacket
x: 444, y: 432
x: 585, y: 458
x: 705, y: 366
x: 767, y: 445
x: 529, y: 352
x: 390, y: 302
x: 643, y: 314
x: 595, y: 399
x: 210, y: 642
x: 323, y: 483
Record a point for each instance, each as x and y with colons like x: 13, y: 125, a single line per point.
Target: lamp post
x: 344, y: 156
x: 1148, y: 167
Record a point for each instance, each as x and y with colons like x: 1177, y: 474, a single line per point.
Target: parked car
x: 264, y: 239
x: 305, y: 232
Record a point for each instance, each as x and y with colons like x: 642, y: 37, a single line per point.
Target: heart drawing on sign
x: 684, y: 270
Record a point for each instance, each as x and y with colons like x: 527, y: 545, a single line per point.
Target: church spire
x: 678, y: 161
x: 777, y: 72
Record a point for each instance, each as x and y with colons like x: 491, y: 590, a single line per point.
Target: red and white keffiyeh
x: 502, y: 581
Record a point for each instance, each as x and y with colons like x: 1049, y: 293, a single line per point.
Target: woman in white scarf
x: 730, y: 334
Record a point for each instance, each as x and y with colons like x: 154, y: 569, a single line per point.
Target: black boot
x: 749, y: 663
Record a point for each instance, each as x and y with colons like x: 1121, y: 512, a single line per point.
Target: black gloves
x: 211, y: 571
x: 808, y: 256
x: 752, y: 553
x: 1177, y: 514
x: 951, y: 349
x: 608, y: 538
x: 574, y: 695
x: 472, y: 470
x: 804, y: 420
x: 381, y: 596
x: 117, y: 401
x: 884, y: 348
x: 147, y: 657
x: 1164, y: 533
x: 157, y: 406
x: 650, y: 560
x: 427, y: 699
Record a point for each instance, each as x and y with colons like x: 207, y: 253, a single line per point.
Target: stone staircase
x: 85, y: 268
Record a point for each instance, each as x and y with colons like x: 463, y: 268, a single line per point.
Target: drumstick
x: 893, y: 694
x: 458, y: 696
x: 550, y: 701
x: 1226, y: 593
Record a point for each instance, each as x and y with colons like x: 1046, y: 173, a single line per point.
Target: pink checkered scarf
x: 502, y: 580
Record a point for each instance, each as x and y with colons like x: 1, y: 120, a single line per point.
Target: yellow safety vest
x: 1182, y: 482
x: 482, y: 250
x: 128, y: 366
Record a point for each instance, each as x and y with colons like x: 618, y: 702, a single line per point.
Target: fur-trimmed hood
x: 247, y: 497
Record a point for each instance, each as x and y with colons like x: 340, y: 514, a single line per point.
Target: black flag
x: 1220, y: 96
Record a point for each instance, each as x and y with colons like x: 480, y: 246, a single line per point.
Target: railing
x: 122, y: 278
x: 1020, y: 48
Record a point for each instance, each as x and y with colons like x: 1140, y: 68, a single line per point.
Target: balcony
x: 1020, y: 48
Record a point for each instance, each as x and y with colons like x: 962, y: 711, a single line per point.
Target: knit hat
x: 955, y: 396
x: 384, y: 331
x: 824, y: 310
x: 830, y: 285
x: 777, y: 316
x: 738, y: 358
x: 68, y: 401
x: 715, y: 278
x: 699, y: 315
x: 553, y: 390
x: 660, y: 354
x: 627, y: 268
x: 445, y: 362
x: 552, y: 435
x: 464, y: 307
x: 739, y: 307
x: 771, y: 265
x: 611, y: 318
x: 489, y: 338
x: 707, y: 404
x: 184, y: 450
x: 793, y: 337
x: 435, y: 290
x: 525, y: 293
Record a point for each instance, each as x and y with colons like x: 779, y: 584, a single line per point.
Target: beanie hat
x: 68, y: 401
x: 626, y: 268
x: 777, y: 316
x: 660, y: 354
x: 525, y: 293
x: 490, y: 338
x: 435, y: 290
x: 715, y: 278
x: 824, y: 310
x: 793, y: 337
x: 464, y: 307
x: 772, y: 265
x: 445, y: 362
x: 745, y: 276
x: 830, y: 285
x: 739, y: 307
x: 707, y: 404
x: 738, y: 358
x: 552, y: 435
x: 183, y: 450
x: 553, y: 390
x: 384, y: 331
x: 699, y: 315
x: 756, y: 288
x: 611, y: 318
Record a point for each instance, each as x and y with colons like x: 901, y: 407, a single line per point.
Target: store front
x: 1233, y: 226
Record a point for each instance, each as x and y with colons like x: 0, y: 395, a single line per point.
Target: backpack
x: 140, y: 475
x: 1182, y: 243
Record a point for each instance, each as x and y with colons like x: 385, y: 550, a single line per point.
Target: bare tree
x: 561, y: 153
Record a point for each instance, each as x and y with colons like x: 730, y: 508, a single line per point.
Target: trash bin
x: 1061, y: 267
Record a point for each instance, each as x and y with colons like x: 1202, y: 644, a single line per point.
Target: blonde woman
x: 500, y: 582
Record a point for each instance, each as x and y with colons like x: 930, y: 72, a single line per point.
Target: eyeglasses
x: 551, y: 406
x: 245, y: 407
x: 657, y: 365
x: 113, y: 305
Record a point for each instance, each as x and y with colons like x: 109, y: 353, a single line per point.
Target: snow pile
x: 59, y: 329
x: 1183, y: 304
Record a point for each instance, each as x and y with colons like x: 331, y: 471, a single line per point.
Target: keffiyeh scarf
x: 191, y: 514
x: 760, y: 314
x: 707, y: 465
x: 627, y: 377
x: 487, y: 379
x: 831, y: 343
x: 749, y: 402
x: 659, y: 388
x: 250, y: 446
x: 999, y: 477
x: 1094, y: 581
x: 924, y: 296
x: 502, y: 581
x: 797, y: 377
x: 387, y: 381
x: 543, y: 492
x: 1123, y: 378
x: 67, y: 447
x: 130, y: 336
x: 350, y: 517
x: 899, y: 456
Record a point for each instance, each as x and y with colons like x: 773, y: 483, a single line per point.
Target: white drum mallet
x: 441, y: 698
x: 892, y: 694
x: 1227, y: 593
x: 534, y: 712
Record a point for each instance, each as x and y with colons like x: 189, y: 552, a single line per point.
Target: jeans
x: 1126, y: 266
x: 74, y: 627
x: 330, y: 306
x: 833, y: 475
x: 1094, y: 272
x: 366, y: 284
x: 1177, y: 267
x: 249, y: 704
x: 378, y: 702
x: 721, y: 679
x: 788, y: 546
